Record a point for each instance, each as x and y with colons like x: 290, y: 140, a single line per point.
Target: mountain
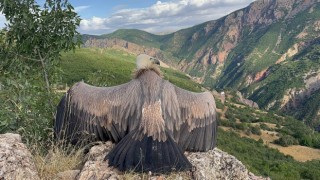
x: 269, y: 51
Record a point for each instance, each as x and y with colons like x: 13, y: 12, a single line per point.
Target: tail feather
x: 148, y: 155
x: 165, y: 150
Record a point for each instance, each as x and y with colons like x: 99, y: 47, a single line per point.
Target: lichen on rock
x: 16, y: 161
x: 214, y: 164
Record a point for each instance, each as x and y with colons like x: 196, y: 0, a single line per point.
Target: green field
x: 110, y: 67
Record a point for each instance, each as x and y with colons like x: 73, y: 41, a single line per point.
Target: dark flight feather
x: 151, y: 120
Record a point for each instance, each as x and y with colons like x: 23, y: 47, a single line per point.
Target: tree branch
x: 45, y: 73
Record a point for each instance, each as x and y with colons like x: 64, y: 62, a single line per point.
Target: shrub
x: 219, y: 104
x: 286, y: 141
x: 255, y: 130
x: 264, y: 127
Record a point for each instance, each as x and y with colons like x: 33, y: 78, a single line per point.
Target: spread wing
x: 108, y: 113
x: 191, y: 117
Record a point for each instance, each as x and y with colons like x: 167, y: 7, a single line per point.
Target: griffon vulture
x: 151, y: 120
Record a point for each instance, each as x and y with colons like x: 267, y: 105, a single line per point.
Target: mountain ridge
x: 245, y: 50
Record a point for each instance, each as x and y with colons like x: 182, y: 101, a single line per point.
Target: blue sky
x: 106, y: 16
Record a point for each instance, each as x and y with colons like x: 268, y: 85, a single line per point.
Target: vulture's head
x: 145, y: 63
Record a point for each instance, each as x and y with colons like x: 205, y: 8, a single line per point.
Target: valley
x: 298, y: 152
x: 267, y: 132
x: 268, y: 51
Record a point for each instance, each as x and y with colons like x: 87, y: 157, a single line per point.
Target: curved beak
x: 156, y: 61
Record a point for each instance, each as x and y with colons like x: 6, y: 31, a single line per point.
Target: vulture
x: 151, y: 121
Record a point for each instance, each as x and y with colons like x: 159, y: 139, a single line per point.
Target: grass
x: 299, y: 153
x: 180, y: 80
x: 56, y: 160
x: 110, y: 67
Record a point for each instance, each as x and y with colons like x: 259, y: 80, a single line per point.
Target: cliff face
x: 214, y: 42
x: 251, y: 50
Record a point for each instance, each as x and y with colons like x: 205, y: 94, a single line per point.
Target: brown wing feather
x: 191, y: 117
x: 105, y: 112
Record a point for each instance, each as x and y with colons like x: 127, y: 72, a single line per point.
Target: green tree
x: 30, y: 46
x: 38, y: 33
x: 255, y: 130
x: 286, y: 140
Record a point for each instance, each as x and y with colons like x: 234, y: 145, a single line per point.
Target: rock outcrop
x: 16, y: 163
x: 296, y: 96
x: 67, y: 175
x: 247, y: 101
x: 214, y: 164
x: 15, y: 160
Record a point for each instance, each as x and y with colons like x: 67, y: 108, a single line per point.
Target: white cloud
x: 95, y: 23
x: 80, y: 8
x: 163, y: 16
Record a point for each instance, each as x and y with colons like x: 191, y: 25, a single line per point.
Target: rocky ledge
x: 15, y: 160
x: 16, y: 163
x: 214, y: 164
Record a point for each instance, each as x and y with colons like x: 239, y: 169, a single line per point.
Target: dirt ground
x: 299, y: 153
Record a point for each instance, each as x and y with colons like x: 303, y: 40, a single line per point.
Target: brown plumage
x: 151, y: 120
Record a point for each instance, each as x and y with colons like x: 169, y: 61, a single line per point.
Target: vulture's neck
x: 150, y: 70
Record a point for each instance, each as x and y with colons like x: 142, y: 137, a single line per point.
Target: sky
x: 105, y: 16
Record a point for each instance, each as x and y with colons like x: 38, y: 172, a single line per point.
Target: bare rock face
x: 214, y: 164
x: 247, y: 101
x: 15, y: 160
x: 217, y: 164
x: 96, y: 168
x: 67, y: 175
